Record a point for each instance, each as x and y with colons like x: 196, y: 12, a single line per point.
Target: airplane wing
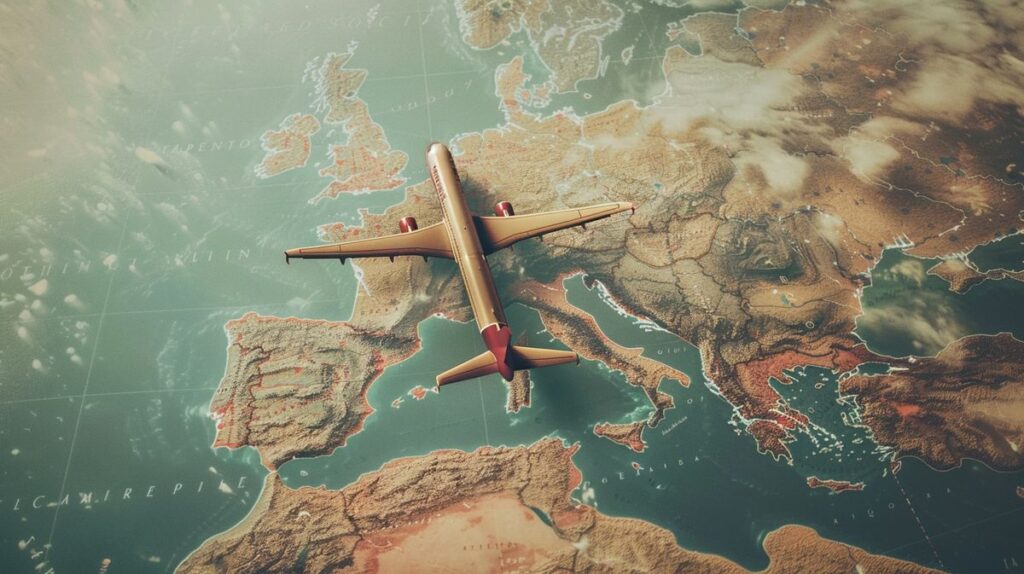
x: 430, y: 241
x: 497, y: 233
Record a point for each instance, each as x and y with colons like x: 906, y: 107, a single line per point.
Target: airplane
x: 469, y: 239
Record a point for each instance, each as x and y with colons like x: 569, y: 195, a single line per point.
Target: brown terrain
x: 288, y: 148
x: 779, y: 162
x: 626, y: 434
x: 518, y: 391
x: 296, y: 387
x: 572, y: 54
x: 836, y: 486
x: 847, y: 154
x: 580, y: 332
x: 364, y: 162
x: 962, y: 275
x: 492, y: 510
x: 966, y: 402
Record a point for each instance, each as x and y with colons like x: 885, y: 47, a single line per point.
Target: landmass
x: 418, y: 392
x: 365, y: 162
x: 518, y: 391
x: 962, y: 275
x: 966, y: 402
x: 846, y: 153
x: 836, y: 486
x: 801, y: 549
x: 289, y: 147
x: 492, y: 510
x: 580, y: 332
x: 627, y: 434
x: 567, y: 36
x: 297, y: 387
x: 676, y: 261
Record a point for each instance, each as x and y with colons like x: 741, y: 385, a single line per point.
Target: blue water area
x: 700, y: 476
x: 921, y: 306
x: 1007, y: 253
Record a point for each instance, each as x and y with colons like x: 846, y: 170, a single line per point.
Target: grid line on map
x: 176, y: 46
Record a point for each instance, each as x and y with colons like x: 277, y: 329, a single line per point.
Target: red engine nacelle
x: 503, y: 209
x: 407, y: 224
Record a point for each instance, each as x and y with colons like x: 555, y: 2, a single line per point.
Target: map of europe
x: 803, y: 352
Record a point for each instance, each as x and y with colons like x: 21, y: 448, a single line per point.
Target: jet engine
x: 503, y: 209
x: 407, y: 224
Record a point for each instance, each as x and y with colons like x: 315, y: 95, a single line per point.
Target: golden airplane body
x: 468, y: 239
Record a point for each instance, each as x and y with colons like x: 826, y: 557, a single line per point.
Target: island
x: 627, y: 434
x: 835, y: 486
x: 288, y: 148
x: 363, y: 162
x: 366, y: 161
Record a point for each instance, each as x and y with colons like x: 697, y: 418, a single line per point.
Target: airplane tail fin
x: 521, y: 358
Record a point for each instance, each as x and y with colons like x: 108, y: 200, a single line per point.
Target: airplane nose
x: 434, y: 148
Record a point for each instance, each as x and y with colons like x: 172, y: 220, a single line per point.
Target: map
x: 804, y: 351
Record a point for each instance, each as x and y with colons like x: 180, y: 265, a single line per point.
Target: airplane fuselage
x: 469, y: 256
x: 467, y: 239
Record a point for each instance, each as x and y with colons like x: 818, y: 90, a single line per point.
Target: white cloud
x: 928, y: 333
x: 924, y: 320
x: 866, y: 148
x: 734, y: 94
x: 867, y: 157
x: 959, y: 50
x: 830, y: 227
x: 948, y: 25
x: 947, y: 87
x: 74, y: 302
x: 784, y: 173
x: 909, y: 270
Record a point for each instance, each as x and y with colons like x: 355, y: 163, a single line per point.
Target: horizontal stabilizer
x: 478, y: 366
x: 520, y: 358
x: 534, y: 358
